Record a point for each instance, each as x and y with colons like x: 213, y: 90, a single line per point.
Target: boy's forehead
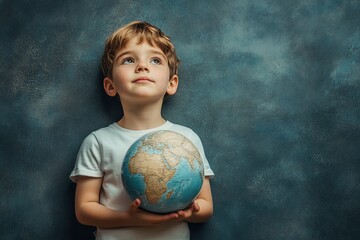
x: 136, y: 44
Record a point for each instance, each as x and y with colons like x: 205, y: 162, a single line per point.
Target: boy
x: 140, y: 66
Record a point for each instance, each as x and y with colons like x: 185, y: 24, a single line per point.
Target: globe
x: 164, y: 170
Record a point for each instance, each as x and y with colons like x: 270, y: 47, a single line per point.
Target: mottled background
x: 271, y: 87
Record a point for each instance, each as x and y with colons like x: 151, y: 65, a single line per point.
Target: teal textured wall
x: 271, y: 87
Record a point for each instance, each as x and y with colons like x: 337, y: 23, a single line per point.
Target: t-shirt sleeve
x: 88, y: 161
x: 197, y: 142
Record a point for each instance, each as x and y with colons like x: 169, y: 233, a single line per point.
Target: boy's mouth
x: 142, y: 80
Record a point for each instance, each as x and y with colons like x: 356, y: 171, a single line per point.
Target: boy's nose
x: 142, y: 67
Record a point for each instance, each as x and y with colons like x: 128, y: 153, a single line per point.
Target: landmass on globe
x: 158, y: 169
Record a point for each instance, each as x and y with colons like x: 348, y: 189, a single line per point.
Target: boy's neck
x: 141, y: 118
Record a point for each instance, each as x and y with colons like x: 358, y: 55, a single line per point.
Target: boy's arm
x: 201, y: 209
x: 90, y: 212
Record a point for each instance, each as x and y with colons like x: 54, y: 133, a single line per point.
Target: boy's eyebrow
x: 130, y: 52
x: 120, y: 55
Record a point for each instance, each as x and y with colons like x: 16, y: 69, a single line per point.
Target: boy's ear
x: 109, y: 87
x: 173, y: 84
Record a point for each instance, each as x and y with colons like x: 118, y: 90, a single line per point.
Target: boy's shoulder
x: 104, y: 130
x: 102, y: 133
x: 182, y: 128
x: 186, y: 131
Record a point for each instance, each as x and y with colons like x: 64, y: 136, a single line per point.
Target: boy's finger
x: 181, y: 213
x: 196, y: 207
x: 135, y: 204
x: 170, y: 216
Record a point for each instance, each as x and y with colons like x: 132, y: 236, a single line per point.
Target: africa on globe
x: 164, y: 170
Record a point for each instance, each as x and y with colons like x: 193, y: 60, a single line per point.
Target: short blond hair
x: 144, y: 32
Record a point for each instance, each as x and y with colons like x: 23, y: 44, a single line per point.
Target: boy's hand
x: 143, y: 218
x: 188, y: 212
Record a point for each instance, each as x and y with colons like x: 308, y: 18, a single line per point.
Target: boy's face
x: 140, y: 72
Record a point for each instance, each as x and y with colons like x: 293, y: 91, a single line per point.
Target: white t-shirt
x: 101, y: 155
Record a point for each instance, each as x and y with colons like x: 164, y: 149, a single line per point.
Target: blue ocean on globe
x: 164, y: 170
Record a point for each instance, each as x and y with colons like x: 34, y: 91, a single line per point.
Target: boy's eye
x: 155, y: 61
x: 127, y: 61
